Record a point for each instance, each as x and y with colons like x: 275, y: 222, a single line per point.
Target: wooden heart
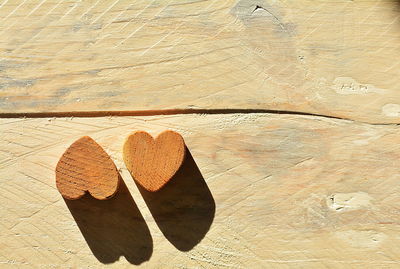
x: 153, y: 162
x: 86, y: 167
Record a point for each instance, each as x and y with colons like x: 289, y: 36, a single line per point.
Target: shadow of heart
x: 114, y: 227
x: 184, y: 208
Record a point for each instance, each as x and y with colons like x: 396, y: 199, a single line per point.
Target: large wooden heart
x: 153, y: 162
x: 86, y: 167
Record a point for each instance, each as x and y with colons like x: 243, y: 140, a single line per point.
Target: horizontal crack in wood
x: 173, y: 112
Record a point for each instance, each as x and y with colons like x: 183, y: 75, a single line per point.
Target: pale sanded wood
x: 262, y: 191
x: 86, y: 167
x: 153, y: 162
x: 337, y: 58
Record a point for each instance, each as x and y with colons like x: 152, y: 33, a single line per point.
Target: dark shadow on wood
x: 114, y: 227
x: 184, y: 208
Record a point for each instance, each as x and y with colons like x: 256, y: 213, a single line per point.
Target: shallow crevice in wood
x: 94, y: 114
x: 98, y: 114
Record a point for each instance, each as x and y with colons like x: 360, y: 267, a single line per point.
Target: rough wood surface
x: 272, y: 189
x: 153, y: 162
x: 258, y: 191
x: 86, y: 167
x: 337, y: 58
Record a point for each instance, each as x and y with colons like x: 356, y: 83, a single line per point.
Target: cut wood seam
x: 94, y: 114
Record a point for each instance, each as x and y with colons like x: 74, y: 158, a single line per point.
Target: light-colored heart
x: 86, y: 167
x: 153, y: 162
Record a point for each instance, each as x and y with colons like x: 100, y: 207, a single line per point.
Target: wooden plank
x: 337, y: 58
x: 268, y: 191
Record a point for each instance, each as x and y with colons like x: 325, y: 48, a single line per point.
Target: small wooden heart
x: 86, y: 167
x: 153, y: 162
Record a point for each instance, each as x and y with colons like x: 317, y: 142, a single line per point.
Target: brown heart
x: 153, y: 162
x: 86, y: 167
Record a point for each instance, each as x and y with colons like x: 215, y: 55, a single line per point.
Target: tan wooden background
x: 290, y: 111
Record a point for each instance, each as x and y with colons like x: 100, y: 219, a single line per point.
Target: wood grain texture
x: 337, y: 58
x: 86, y: 167
x: 263, y: 190
x: 153, y: 162
x: 289, y: 192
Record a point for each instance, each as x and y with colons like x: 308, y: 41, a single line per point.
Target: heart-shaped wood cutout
x: 153, y: 162
x: 86, y: 167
